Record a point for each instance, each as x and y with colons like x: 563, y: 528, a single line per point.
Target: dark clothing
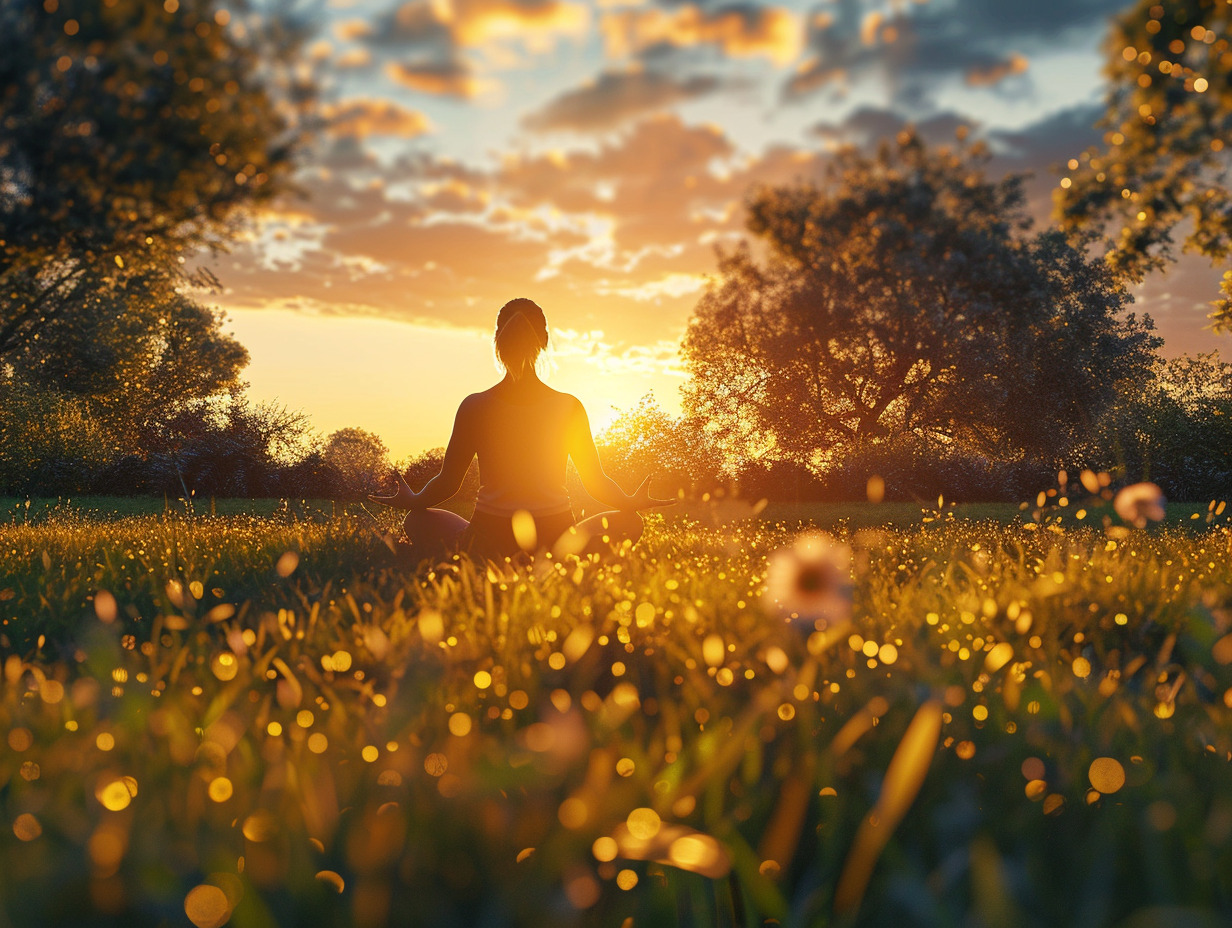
x: 491, y: 536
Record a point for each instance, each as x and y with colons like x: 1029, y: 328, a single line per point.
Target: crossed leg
x: 433, y: 533
x: 438, y: 533
x: 601, y: 534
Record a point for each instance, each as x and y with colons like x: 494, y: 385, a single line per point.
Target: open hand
x: 403, y: 496
x: 641, y: 499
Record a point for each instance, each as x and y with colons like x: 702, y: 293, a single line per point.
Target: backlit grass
x: 263, y: 719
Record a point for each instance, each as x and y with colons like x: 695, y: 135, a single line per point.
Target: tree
x: 907, y: 296
x: 138, y: 362
x: 647, y: 441
x: 360, y: 458
x: 236, y: 448
x: 1174, y: 429
x: 132, y: 134
x: 50, y: 444
x: 1166, y: 154
x: 145, y: 377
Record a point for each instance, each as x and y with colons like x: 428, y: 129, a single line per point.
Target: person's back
x: 522, y: 436
x: 523, y: 433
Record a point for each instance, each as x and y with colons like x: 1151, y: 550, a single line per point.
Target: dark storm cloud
x: 615, y: 98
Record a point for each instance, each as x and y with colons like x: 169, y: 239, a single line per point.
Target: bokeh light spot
x: 1106, y: 774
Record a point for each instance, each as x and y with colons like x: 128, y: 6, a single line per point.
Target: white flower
x: 1138, y: 502
x: 811, y: 579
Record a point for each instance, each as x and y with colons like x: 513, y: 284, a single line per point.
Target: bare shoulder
x: 566, y: 401
x: 473, y: 406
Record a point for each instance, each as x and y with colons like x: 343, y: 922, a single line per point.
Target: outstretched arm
x: 458, y: 457
x: 597, y: 483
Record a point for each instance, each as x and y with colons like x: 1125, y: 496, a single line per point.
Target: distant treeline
x: 1174, y: 429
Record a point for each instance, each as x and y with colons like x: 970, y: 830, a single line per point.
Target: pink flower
x: 1138, y: 502
x: 811, y: 579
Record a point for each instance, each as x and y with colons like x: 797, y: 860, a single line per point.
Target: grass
x: 259, y: 717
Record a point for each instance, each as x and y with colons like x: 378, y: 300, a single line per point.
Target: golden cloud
x: 991, y: 74
x: 361, y: 118
x: 448, y: 79
x: 616, y: 97
x: 812, y: 75
x: 669, y: 285
x: 352, y: 29
x: 354, y: 58
x: 743, y: 32
x: 476, y: 22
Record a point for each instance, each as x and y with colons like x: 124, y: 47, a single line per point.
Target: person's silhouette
x: 523, y: 432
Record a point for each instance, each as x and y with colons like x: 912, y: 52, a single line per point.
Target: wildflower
x: 811, y: 579
x: 1139, y: 502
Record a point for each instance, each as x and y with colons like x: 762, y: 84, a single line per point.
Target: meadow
x: 259, y: 717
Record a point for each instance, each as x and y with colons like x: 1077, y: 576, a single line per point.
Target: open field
x: 827, y: 516
x: 258, y: 717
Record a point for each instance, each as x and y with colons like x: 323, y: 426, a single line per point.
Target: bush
x: 914, y: 470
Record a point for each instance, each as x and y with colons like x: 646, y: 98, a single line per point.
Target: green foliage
x: 1165, y: 160
x: 907, y: 297
x: 361, y: 460
x: 134, y: 135
x: 48, y: 439
x: 452, y: 744
x: 674, y: 451
x: 1174, y: 428
x: 135, y: 371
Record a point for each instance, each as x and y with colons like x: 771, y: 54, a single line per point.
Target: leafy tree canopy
x: 647, y: 441
x: 131, y: 134
x: 1168, y: 146
x: 907, y: 295
x: 360, y: 458
x: 1174, y: 428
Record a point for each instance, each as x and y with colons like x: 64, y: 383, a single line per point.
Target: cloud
x: 1042, y: 148
x: 440, y: 78
x: 865, y: 126
x: 994, y: 72
x: 1035, y: 150
x: 655, y: 358
x: 443, y: 27
x: 978, y: 41
x: 675, y: 284
x: 812, y: 75
x: 454, y: 196
x: 611, y: 236
x: 353, y: 58
x: 477, y: 22
x: 351, y: 29
x: 434, y: 40
x: 361, y: 118
x: 740, y: 30
x: 615, y: 98
x: 417, y: 25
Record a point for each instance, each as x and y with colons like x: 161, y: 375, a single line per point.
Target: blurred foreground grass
x: 260, y: 718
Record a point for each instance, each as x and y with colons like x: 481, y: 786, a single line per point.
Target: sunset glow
x: 592, y: 156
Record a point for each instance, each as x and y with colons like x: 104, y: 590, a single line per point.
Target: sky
x: 593, y: 155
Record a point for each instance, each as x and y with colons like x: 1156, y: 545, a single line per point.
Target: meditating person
x: 524, y: 433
